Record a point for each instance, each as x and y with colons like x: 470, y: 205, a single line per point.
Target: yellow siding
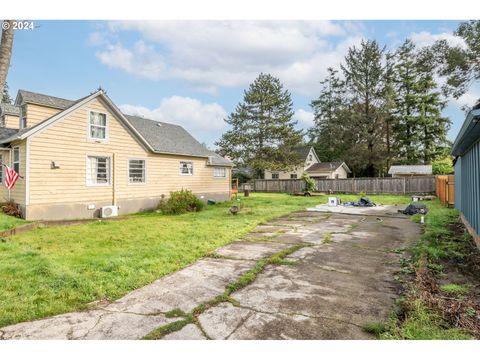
x: 17, y: 194
x: 11, y: 121
x: 38, y: 113
x: 67, y: 143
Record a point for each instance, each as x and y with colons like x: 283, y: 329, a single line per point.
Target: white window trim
x: 107, y: 126
x: 13, y: 158
x: 109, y: 183
x: 193, y: 168
x: 128, y: 172
x: 220, y: 177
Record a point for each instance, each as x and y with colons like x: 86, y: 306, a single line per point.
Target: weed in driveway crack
x: 244, y: 280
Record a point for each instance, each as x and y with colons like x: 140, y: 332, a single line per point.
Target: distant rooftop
x: 410, y: 169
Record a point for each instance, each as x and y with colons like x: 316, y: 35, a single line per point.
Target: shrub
x: 180, y: 202
x: 310, y: 184
x: 10, y: 208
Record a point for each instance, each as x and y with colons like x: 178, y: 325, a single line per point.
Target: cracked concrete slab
x: 188, y: 332
x: 184, y: 289
x: 331, y: 290
x: 251, y: 250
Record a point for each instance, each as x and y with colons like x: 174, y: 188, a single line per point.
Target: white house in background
x: 410, y: 170
x: 312, y: 166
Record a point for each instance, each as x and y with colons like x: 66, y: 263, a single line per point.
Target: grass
x: 9, y: 222
x: 455, y: 289
x: 439, y: 242
x: 55, y: 270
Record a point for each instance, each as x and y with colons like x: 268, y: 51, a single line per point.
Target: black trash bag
x: 366, y: 202
x: 415, y: 208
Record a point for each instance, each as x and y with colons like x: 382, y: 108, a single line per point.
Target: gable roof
x: 410, y: 169
x: 302, y: 151
x: 9, y: 109
x: 24, y: 96
x: 158, y: 137
x: 327, y: 166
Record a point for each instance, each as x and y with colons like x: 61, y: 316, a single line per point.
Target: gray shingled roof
x: 302, y: 151
x: 410, y: 169
x: 324, y: 166
x: 52, y: 101
x: 9, y: 109
x: 5, y: 133
x: 173, y: 139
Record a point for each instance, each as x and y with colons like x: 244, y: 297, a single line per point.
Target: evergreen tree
x: 407, y: 127
x: 460, y: 64
x: 263, y: 133
x: 365, y: 75
x: 433, y: 125
x: 328, y: 129
x: 6, y: 96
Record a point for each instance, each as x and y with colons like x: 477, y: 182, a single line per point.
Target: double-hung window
x: 98, y: 125
x: 98, y: 170
x: 136, y: 171
x: 16, y: 159
x: 186, y: 168
x: 220, y: 172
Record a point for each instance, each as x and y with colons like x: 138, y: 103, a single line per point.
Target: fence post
x: 404, y: 185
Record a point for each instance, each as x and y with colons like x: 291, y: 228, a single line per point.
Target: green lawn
x: 55, y: 270
x: 9, y: 222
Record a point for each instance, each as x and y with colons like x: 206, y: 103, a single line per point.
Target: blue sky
x: 194, y: 73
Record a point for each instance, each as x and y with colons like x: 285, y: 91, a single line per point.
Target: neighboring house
x: 312, y: 166
x: 466, y: 150
x: 76, y: 157
x: 328, y: 170
x: 410, y: 170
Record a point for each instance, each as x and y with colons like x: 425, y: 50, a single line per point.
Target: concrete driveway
x: 342, y: 278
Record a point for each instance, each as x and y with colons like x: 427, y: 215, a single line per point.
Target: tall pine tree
x: 365, y: 74
x: 263, y: 132
x: 327, y: 133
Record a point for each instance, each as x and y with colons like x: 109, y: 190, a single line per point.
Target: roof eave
x: 468, y: 134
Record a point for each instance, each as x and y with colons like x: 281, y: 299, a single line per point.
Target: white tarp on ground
x: 359, y: 210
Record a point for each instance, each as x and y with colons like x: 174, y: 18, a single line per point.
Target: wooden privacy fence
x: 445, y: 189
x: 401, y: 185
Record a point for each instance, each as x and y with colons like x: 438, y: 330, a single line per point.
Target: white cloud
x: 469, y: 98
x: 192, y: 114
x: 212, y: 54
x: 305, y: 118
x: 425, y: 38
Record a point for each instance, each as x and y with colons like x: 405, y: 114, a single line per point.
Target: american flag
x: 11, y: 177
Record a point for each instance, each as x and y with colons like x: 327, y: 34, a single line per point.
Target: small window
x: 336, y: 176
x: 220, y: 172
x: 136, y: 171
x: 98, y: 125
x: 310, y: 157
x: 186, y: 168
x: 293, y: 176
x: 275, y: 176
x: 98, y: 170
x: 23, y: 122
x: 16, y: 159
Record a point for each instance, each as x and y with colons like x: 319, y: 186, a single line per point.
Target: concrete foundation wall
x: 80, y: 210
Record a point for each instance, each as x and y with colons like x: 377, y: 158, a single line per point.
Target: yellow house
x: 84, y: 158
x: 312, y: 166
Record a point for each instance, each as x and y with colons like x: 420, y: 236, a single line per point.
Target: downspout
x: 114, y: 200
